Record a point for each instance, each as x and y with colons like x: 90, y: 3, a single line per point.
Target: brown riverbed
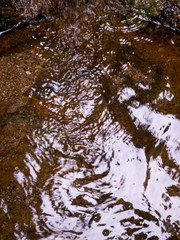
x: 89, y: 140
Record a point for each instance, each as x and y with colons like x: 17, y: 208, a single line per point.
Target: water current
x: 94, y: 153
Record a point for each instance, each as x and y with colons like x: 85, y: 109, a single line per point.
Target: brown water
x: 94, y: 154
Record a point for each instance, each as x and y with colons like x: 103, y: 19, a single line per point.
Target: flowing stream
x: 94, y: 152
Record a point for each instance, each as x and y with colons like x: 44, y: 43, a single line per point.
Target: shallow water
x: 94, y: 154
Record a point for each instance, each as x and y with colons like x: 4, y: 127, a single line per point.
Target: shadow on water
x: 94, y: 153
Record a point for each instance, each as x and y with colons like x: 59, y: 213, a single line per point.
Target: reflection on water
x: 99, y: 154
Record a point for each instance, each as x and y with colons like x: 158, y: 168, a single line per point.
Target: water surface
x: 94, y: 154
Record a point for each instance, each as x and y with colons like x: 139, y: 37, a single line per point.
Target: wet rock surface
x: 165, y: 13
x: 8, y: 15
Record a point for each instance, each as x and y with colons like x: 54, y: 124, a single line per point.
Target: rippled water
x: 96, y: 154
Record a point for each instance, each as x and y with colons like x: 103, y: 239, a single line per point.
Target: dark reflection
x: 94, y: 153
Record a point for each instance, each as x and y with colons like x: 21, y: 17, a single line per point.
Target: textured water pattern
x: 99, y: 153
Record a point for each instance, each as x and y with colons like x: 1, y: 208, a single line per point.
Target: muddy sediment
x: 18, y: 73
